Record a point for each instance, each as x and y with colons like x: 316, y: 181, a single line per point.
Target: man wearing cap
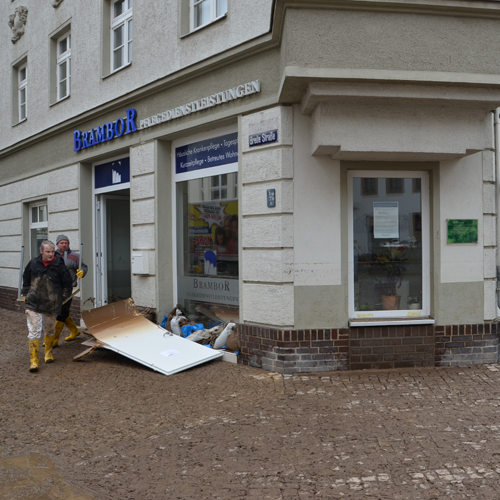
x: 46, y: 284
x: 72, y: 260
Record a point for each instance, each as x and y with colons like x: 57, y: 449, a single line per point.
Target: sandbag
x: 174, y: 323
x: 222, y: 338
x: 199, y: 336
x: 233, y: 341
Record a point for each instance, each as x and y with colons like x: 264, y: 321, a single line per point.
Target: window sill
x: 204, y: 26
x: 425, y: 320
x: 116, y: 70
x: 60, y: 100
x: 19, y: 122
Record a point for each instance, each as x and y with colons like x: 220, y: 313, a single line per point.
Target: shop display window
x: 207, y: 246
x: 389, y: 245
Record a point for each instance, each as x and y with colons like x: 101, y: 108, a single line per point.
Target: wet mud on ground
x: 108, y: 428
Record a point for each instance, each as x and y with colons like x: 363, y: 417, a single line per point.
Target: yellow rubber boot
x: 34, y: 345
x: 72, y: 328
x: 57, y: 334
x: 48, y: 349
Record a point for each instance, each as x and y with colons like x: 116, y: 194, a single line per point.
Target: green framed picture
x: 462, y: 230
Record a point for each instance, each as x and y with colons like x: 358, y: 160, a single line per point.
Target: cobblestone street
x: 116, y: 430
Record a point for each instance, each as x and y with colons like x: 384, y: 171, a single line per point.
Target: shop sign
x: 105, y: 132
x: 462, y: 231
x: 112, y: 173
x: 213, y: 152
x: 200, y: 104
x: 206, y: 289
x: 263, y: 138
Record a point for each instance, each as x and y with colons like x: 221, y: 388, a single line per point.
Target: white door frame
x: 97, y: 229
x: 101, y: 274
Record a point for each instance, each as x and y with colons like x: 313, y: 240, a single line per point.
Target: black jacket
x: 45, y: 287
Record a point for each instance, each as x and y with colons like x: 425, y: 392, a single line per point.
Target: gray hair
x: 47, y: 242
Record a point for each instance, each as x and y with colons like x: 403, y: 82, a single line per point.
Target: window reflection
x: 387, y: 246
x: 207, y: 243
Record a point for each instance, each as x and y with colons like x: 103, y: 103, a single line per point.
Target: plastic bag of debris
x: 179, y: 320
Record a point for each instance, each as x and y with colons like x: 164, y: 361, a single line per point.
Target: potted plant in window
x: 415, y: 302
x: 387, y: 270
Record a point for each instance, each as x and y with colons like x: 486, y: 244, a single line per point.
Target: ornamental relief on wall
x: 17, y: 22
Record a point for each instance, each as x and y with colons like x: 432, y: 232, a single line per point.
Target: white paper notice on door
x: 386, y: 219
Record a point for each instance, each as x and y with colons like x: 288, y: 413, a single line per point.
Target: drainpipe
x: 497, y: 197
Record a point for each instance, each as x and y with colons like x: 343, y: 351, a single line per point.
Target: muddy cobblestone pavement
x: 116, y: 430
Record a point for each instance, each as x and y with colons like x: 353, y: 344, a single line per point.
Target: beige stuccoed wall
x: 343, y: 38
x: 407, y: 123
x: 398, y: 128
x: 56, y: 149
x: 266, y: 291
x: 142, y: 218
x: 320, y: 294
x: 59, y: 189
x: 461, y: 180
x: 473, y: 179
x: 158, y: 51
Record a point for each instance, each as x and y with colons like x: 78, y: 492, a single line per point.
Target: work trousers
x: 40, y: 324
x: 64, y: 311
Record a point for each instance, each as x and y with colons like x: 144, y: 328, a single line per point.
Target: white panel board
x: 121, y: 328
x: 163, y: 353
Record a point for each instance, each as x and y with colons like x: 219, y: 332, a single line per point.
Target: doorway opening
x: 112, y: 232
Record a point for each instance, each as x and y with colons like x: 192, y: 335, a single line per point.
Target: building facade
x: 323, y: 173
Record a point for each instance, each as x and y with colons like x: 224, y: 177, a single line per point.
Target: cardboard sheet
x: 120, y: 327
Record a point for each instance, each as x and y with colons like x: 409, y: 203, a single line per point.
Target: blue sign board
x: 213, y: 152
x: 106, y: 131
x: 112, y: 174
x: 271, y: 198
x: 263, y: 138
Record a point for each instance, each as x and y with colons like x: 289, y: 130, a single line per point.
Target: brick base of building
x: 289, y: 351
x: 467, y: 344
x: 8, y: 300
x: 360, y: 348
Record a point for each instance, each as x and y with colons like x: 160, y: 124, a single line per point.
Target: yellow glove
x: 79, y: 273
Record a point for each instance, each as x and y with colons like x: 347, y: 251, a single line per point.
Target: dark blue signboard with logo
x: 113, y: 173
x: 206, y: 154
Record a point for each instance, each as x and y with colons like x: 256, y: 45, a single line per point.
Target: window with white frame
x: 22, y: 81
x: 206, y: 11
x: 63, y: 66
x: 38, y: 226
x: 121, y: 33
x: 389, y: 275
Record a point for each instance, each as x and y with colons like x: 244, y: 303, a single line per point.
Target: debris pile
x: 123, y: 328
x: 220, y: 336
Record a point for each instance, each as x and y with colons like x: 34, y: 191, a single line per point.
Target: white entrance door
x: 113, y: 262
